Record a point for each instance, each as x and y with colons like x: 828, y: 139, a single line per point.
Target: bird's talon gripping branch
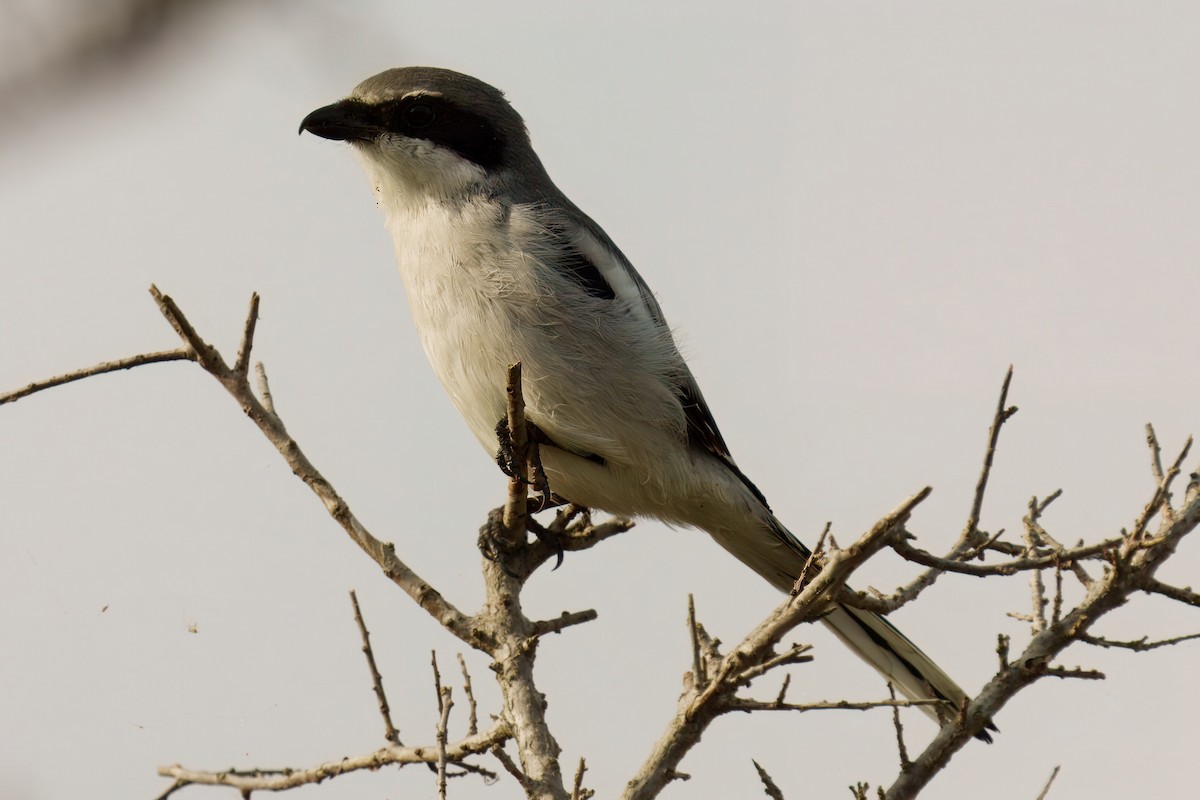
x: 509, y: 462
x: 506, y: 456
x: 548, y: 537
x: 494, y: 544
x: 540, y: 483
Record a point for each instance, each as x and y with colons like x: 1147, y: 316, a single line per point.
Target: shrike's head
x: 426, y: 133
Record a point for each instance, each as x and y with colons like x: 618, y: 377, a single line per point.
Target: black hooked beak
x: 344, y: 121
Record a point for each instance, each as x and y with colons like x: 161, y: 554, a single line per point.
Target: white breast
x: 447, y: 258
x: 484, y: 295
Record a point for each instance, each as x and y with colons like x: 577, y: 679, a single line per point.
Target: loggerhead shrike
x: 499, y: 267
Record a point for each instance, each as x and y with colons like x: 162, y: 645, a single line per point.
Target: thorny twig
x: 1129, y: 564
x: 702, y: 703
x: 905, y: 762
x: 1049, y: 782
x: 390, y: 732
x: 178, y: 354
x: 1131, y: 567
x: 769, y: 786
x: 578, y: 792
x: 472, y: 713
x: 445, y: 703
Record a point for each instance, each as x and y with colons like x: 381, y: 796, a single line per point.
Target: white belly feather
x: 482, y: 299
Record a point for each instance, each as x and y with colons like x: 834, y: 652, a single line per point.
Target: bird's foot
x: 506, y: 457
x: 547, y: 537
x: 509, y: 462
x: 494, y: 543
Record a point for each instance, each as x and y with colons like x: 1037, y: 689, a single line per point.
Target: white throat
x: 409, y: 173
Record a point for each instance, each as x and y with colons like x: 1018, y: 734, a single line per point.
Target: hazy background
x: 855, y: 214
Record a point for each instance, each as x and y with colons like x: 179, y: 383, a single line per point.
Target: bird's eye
x: 419, y: 115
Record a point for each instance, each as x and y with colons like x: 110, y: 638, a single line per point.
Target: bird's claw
x: 509, y: 462
x: 549, y: 538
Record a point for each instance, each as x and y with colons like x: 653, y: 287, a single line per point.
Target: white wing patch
x: 616, y: 274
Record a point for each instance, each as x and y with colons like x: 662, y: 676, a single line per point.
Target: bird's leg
x: 493, y: 544
x: 506, y: 456
x: 510, y: 463
x: 540, y: 483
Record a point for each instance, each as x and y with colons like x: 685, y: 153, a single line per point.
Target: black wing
x: 702, y: 430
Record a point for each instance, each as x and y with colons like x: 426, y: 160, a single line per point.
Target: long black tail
x: 773, y: 552
x: 898, y: 660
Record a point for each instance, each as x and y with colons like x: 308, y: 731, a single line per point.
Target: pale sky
x: 856, y: 215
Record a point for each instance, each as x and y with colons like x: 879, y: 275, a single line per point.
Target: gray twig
x: 390, y: 733
x: 769, y: 786
x: 179, y: 354
x: 1049, y: 782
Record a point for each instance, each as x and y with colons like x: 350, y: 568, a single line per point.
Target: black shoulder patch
x: 581, y: 269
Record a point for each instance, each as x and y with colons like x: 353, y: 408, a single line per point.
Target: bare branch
x: 172, y: 789
x: 1182, y: 594
x: 565, y: 516
x: 710, y: 652
x: 815, y: 559
x: 472, y: 717
x: 1131, y: 569
x: 1056, y: 609
x: 1002, y: 415
x: 242, y: 364
x: 437, y: 679
x: 1137, y: 645
x: 749, y: 705
x: 968, y: 546
x: 502, y: 630
x: 796, y: 654
x: 1073, y: 672
x: 979, y: 550
x: 466, y: 768
x: 787, y: 680
x: 564, y: 620
x: 1157, y: 470
x: 384, y: 554
x: 886, y: 604
x: 516, y: 508
x: 248, y: 781
x: 577, y: 790
x: 1036, y: 587
x: 699, y: 677
x: 1161, y: 496
x: 390, y: 732
x: 927, y: 559
x: 180, y: 354
x: 510, y: 766
x: 901, y: 749
x: 205, y: 354
x: 507, y: 563
x: 581, y: 535
x: 445, y: 702
x: 701, y: 704
x: 1049, y: 782
x: 773, y: 791
x: 1033, y: 524
x: 264, y: 388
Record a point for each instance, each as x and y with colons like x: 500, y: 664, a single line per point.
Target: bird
x: 499, y: 267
